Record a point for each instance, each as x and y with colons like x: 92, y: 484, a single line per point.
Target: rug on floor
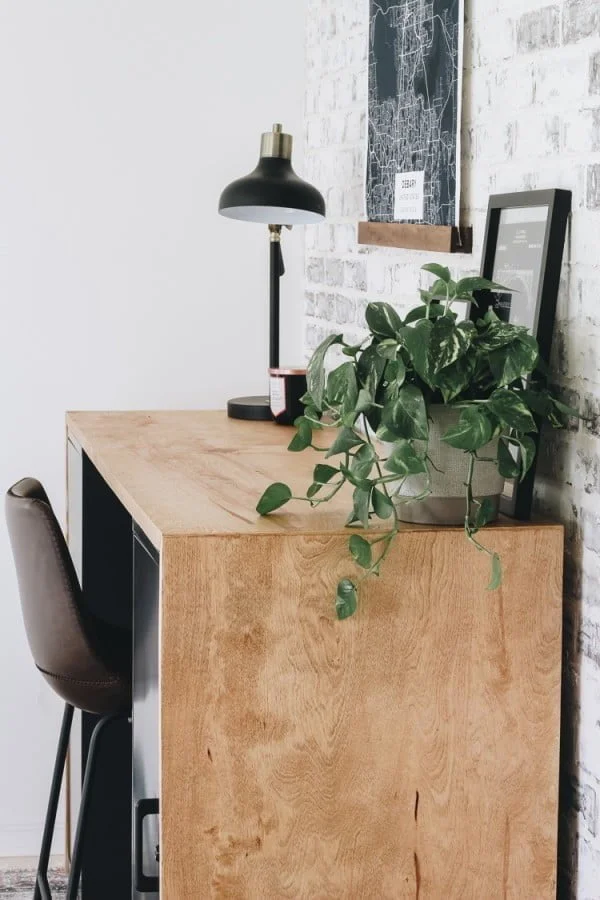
x: 18, y: 884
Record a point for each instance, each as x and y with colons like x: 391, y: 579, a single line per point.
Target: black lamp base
x: 256, y: 409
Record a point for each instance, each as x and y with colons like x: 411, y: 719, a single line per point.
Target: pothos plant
x: 489, y: 369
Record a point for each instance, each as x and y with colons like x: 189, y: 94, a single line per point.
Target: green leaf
x: 416, y: 340
x: 313, y: 490
x: 352, y: 350
x: 315, y: 373
x: 363, y: 461
x: 345, y: 601
x: 276, y: 495
x: 360, y: 550
x: 361, y: 500
x: 345, y: 440
x: 407, y: 417
x: 314, y: 417
x: 495, y: 333
x: 474, y: 283
x: 514, y: 361
x: 486, y: 512
x: 395, y: 371
x: 454, y: 379
x: 342, y: 388
x: 496, y: 573
x: 528, y: 450
x: 382, y: 504
x: 539, y: 402
x: 323, y: 473
x: 383, y: 320
x: 404, y: 460
x: 303, y: 437
x: 474, y: 430
x: 568, y: 411
x: 420, y: 312
x: 511, y: 410
x: 507, y: 465
x: 447, y: 343
x: 388, y: 348
x: 364, y: 402
x: 441, y: 288
x: 370, y: 368
x: 435, y: 269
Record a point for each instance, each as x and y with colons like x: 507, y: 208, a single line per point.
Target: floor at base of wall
x: 18, y: 883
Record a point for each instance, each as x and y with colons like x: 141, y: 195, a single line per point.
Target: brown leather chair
x: 86, y: 661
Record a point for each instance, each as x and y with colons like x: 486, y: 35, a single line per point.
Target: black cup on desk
x: 287, y: 386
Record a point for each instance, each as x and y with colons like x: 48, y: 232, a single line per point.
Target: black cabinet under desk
x: 119, y: 571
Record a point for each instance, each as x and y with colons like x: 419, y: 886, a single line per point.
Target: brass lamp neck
x: 276, y: 144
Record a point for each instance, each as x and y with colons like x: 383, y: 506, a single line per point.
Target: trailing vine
x: 488, y: 369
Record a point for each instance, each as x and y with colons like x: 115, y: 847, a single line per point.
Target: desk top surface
x: 196, y: 472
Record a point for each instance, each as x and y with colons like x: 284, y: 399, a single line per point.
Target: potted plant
x: 429, y: 414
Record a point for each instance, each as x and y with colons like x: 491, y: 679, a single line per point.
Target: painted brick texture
x: 531, y: 119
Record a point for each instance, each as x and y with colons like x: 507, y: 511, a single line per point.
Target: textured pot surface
x: 448, y: 467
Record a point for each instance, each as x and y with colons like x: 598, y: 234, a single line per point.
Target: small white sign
x: 409, y: 200
x: 277, y: 392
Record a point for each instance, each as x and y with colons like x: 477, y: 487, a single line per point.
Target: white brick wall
x: 531, y: 120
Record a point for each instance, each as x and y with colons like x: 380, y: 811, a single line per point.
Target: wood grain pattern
x: 436, y: 238
x: 191, y: 472
x: 410, y: 752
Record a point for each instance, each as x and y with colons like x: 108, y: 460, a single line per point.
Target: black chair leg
x: 42, y: 888
x: 77, y: 857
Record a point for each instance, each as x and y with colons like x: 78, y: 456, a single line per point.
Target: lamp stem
x: 276, y: 270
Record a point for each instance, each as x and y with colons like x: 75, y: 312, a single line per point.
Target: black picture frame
x: 524, y: 242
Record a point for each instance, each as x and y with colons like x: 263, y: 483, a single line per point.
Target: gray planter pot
x: 446, y: 503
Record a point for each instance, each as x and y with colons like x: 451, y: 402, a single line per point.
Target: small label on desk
x: 277, y: 395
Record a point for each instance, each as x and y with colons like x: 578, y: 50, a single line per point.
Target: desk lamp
x: 273, y: 195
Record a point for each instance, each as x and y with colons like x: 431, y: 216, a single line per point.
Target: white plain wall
x: 120, y: 286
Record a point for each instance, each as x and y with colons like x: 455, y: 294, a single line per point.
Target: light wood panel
x: 409, y: 752
x: 192, y: 472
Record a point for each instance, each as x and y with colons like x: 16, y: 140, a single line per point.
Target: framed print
x: 523, y: 250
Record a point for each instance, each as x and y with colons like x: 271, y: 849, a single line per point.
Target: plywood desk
x: 411, y: 751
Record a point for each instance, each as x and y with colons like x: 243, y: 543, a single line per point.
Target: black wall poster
x: 415, y: 84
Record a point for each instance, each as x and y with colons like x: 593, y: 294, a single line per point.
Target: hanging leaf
x: 361, y: 500
x: 303, y: 437
x: 323, y: 474
x: 395, y: 372
x: 473, y: 431
x: 363, y: 462
x: 496, y: 573
x: 437, y: 270
x: 276, y: 495
x: 345, y: 440
x: 420, y: 312
x: 447, y: 343
x: 383, y: 320
x: 507, y: 465
x: 486, y: 512
x: 315, y: 373
x: 360, y: 550
x: 407, y: 418
x: 416, y: 340
x: 475, y: 283
x: 382, y: 504
x: 370, y: 368
x: 388, y: 348
x: 404, y: 460
x: 511, y: 410
x: 514, y: 361
x: 313, y: 490
x: 528, y: 450
x: 345, y: 601
x: 454, y: 379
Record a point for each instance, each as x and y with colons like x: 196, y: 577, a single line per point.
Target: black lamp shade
x: 273, y: 194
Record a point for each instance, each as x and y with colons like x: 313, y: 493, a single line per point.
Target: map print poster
x: 415, y: 86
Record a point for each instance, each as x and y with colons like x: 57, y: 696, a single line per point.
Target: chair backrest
x: 68, y: 644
